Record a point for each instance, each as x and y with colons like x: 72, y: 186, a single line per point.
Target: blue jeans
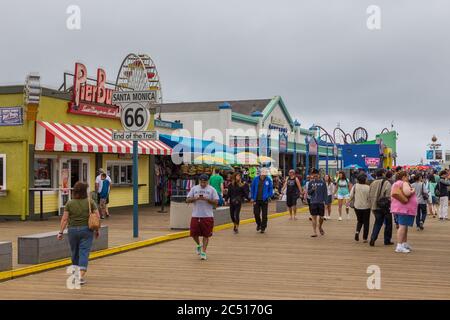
x: 421, y: 214
x: 80, y: 240
x: 380, y: 219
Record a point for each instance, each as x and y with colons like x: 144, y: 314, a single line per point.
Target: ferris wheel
x: 138, y: 73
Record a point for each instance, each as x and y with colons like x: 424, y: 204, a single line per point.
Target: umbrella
x: 265, y: 159
x: 247, y: 158
x: 210, y: 160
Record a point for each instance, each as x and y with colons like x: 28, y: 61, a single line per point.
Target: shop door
x: 70, y: 172
x: 64, y: 183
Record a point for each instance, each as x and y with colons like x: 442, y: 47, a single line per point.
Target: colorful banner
x: 283, y: 143
x: 313, y: 147
x: 372, y: 162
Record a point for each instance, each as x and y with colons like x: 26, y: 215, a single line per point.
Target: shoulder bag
x: 398, y: 194
x: 383, y: 203
x: 94, y: 220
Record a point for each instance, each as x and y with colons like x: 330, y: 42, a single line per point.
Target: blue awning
x: 187, y: 144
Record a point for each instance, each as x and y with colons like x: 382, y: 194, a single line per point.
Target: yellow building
x: 51, y: 147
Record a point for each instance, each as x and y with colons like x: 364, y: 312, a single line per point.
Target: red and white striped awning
x: 51, y: 136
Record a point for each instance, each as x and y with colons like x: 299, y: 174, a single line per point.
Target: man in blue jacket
x: 261, y: 192
x: 318, y: 191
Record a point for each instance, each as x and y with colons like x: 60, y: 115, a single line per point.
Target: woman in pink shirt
x: 405, y: 211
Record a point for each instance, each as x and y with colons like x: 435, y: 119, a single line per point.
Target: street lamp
x: 315, y: 129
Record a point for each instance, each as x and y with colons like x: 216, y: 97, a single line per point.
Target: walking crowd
x: 391, y: 196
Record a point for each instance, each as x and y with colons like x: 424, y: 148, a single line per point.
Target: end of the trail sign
x: 122, y: 97
x: 133, y: 135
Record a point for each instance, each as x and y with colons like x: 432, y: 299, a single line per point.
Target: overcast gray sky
x: 318, y: 55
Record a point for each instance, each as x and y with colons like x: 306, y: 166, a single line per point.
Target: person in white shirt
x: 98, y: 188
x: 205, y: 198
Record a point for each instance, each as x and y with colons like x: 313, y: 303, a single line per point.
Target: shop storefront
x: 67, y: 138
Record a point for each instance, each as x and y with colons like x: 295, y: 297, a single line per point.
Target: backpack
x: 437, y: 190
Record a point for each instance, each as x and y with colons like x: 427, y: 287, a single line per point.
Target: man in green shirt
x: 216, y: 181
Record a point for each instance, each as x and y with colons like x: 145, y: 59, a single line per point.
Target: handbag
x: 351, y: 203
x: 425, y: 195
x: 94, y: 220
x: 383, y: 202
x: 398, y: 194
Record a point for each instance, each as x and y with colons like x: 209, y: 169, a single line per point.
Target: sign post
x: 135, y: 117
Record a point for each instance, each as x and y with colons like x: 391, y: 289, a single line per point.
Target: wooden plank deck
x: 284, y: 263
x: 151, y: 224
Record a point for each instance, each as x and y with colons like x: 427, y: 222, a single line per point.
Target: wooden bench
x: 5, y: 256
x: 44, y: 247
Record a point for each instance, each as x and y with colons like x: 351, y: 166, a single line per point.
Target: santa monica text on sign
x: 133, y: 135
x: 133, y: 96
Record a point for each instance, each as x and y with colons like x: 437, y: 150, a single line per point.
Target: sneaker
x: 198, y: 249
x: 442, y: 219
x: 203, y: 256
x: 418, y: 229
x: 406, y: 246
x: 340, y: 219
x: 388, y: 243
x: 263, y: 230
x: 372, y: 243
x: 401, y: 249
x: 82, y: 281
x: 356, y: 236
x: 258, y: 228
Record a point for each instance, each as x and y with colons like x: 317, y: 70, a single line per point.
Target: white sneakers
x: 340, y: 219
x: 403, y: 248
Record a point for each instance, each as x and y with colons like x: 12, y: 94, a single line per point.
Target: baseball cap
x: 204, y: 177
x: 101, y: 170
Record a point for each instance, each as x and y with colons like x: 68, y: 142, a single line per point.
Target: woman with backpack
x: 238, y: 191
x: 359, y: 195
x: 76, y: 216
x: 343, y: 193
x: 404, y: 205
x: 441, y: 192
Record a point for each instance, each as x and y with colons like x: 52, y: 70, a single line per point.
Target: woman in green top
x: 343, y: 193
x: 76, y: 216
x: 433, y: 201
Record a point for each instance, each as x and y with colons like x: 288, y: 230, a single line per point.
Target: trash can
x: 180, y: 212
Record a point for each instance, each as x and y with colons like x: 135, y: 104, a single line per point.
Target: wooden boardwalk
x: 284, y: 263
x: 151, y: 224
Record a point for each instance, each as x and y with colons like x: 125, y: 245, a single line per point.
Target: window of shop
x: 43, y: 173
x: 120, y: 172
x: 2, y: 172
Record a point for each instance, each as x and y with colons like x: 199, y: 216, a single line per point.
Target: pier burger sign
x: 92, y: 99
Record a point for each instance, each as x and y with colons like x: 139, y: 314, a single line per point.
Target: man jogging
x: 318, y: 191
x: 205, y: 198
x: 261, y: 192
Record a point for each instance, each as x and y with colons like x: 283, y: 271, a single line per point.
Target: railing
x: 41, y: 198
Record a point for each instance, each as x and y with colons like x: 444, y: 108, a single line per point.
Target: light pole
x: 296, y: 126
